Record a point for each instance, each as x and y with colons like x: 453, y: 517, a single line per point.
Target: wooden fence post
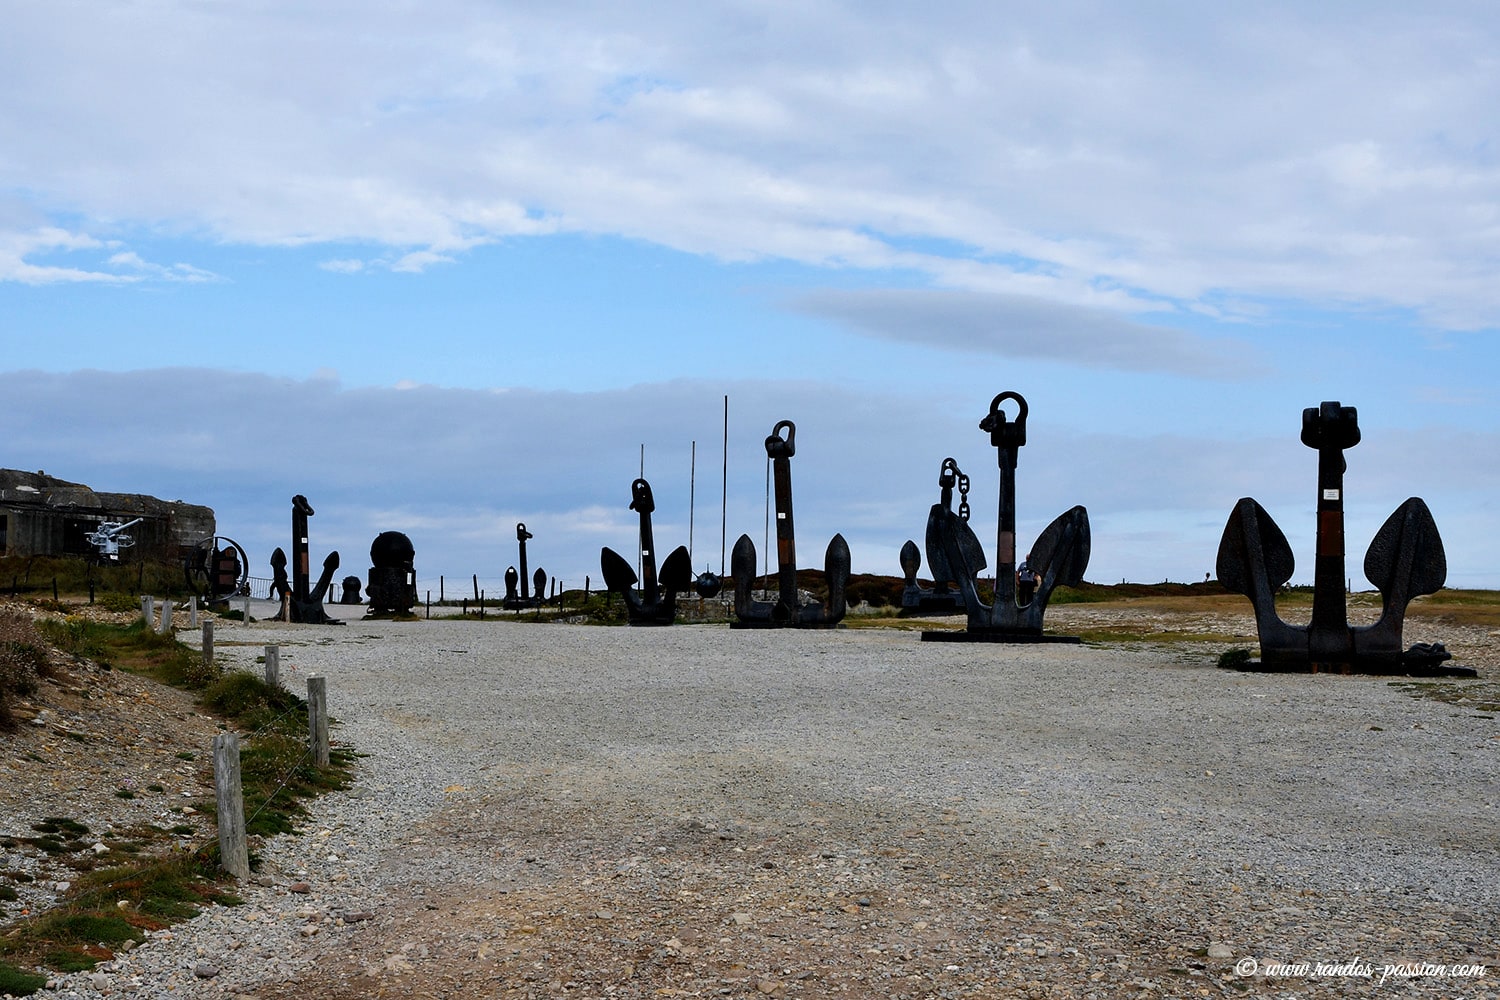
x: 317, y: 719
x: 193, y: 611
x: 234, y: 850
x: 148, y: 610
x: 164, y: 626
x: 273, y: 666
x: 208, y: 643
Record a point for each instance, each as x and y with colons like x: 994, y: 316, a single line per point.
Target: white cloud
x: 418, y: 261
x: 344, y: 265
x: 17, y: 247
x: 1085, y: 152
x: 20, y: 249
x: 128, y: 260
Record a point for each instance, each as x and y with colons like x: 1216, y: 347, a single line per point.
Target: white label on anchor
x: 1330, y: 494
x: 780, y: 515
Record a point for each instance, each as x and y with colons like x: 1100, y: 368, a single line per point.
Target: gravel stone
x: 903, y: 819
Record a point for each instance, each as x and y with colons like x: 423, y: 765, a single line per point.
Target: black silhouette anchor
x: 514, y: 601
x: 656, y: 604
x: 1059, y: 556
x: 939, y: 599
x: 303, y: 604
x: 789, y: 609
x: 1405, y: 561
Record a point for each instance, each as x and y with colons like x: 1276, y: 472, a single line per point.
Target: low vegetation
x: 164, y: 878
x: 47, y: 577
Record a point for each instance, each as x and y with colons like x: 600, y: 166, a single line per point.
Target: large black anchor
x: 656, y: 604
x: 1405, y: 561
x: 789, y: 609
x: 303, y: 604
x: 514, y: 601
x: 1059, y: 556
x: 939, y: 599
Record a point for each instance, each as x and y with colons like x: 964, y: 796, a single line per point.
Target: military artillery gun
x: 109, y: 538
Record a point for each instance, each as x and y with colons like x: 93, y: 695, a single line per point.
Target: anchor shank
x: 786, y: 543
x: 1005, y: 558
x: 521, y: 536
x: 650, y: 591
x: 1331, y: 428
x: 301, y: 570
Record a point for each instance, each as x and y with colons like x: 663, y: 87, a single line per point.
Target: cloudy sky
x: 447, y: 266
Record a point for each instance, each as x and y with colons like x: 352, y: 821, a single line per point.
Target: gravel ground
x: 567, y: 811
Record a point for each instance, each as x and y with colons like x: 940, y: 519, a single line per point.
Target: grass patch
x: 1481, y: 696
x: 18, y: 982
x: 85, y: 929
x: 136, y: 646
x: 1459, y: 607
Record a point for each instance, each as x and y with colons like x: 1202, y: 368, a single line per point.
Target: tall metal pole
x: 724, y: 490
x: 639, y: 569
x: 692, y: 496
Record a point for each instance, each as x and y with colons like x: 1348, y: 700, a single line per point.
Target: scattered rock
x: 205, y: 971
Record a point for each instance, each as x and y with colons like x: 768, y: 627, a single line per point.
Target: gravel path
x: 560, y: 810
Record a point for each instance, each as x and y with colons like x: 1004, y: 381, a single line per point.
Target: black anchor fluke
x: 656, y: 603
x: 789, y: 610
x: 1058, y: 557
x: 1405, y: 561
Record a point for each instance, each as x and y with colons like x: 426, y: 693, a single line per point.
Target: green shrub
x: 119, y: 602
x: 248, y: 699
x: 18, y: 983
x: 1234, y: 659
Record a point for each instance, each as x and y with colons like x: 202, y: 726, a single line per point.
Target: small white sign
x: 780, y: 515
x: 1330, y: 494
